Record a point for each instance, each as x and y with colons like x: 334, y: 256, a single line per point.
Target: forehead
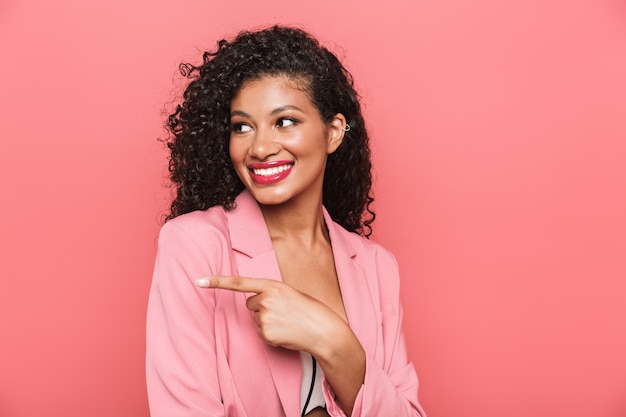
x: 272, y: 91
x: 294, y: 81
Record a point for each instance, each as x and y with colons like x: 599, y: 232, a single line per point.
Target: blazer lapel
x: 255, y: 258
x: 356, y: 289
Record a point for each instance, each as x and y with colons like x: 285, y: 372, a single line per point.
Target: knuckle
x: 236, y: 282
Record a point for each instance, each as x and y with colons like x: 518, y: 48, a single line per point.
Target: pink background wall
x: 500, y: 150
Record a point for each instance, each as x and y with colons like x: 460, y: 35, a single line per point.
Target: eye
x: 240, y: 128
x: 286, y: 122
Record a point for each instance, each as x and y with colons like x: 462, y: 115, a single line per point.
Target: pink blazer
x: 204, y: 357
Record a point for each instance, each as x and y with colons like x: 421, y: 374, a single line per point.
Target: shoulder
x: 367, y: 248
x: 197, y: 242
x: 198, y: 222
x: 204, y: 228
x: 378, y: 264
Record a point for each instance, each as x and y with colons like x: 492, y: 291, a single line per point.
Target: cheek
x: 237, y: 155
x: 311, y: 143
x: 234, y: 152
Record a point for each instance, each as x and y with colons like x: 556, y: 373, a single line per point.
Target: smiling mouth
x: 269, y: 173
x: 266, y: 172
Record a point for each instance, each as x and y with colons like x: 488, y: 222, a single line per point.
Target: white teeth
x: 271, y: 171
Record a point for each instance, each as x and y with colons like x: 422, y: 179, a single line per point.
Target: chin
x: 267, y: 197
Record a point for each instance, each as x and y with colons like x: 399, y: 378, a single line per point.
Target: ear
x: 337, y: 128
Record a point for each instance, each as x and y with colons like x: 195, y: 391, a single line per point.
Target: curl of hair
x: 200, y: 166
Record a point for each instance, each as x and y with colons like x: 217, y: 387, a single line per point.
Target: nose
x: 263, y: 143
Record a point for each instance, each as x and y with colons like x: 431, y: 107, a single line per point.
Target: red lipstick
x: 271, y: 172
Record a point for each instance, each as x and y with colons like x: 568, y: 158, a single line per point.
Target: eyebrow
x: 239, y: 113
x: 285, y: 108
x: 275, y: 111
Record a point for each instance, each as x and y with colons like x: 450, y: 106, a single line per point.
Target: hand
x: 285, y: 317
x: 293, y: 320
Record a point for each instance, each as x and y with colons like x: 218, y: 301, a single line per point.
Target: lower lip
x: 270, y: 179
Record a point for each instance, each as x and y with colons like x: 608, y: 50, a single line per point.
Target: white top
x: 311, y: 386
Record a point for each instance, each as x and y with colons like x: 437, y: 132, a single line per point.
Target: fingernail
x: 203, y: 282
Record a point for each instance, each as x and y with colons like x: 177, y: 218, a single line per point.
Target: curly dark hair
x: 200, y: 166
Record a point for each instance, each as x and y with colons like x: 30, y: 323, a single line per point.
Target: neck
x: 302, y: 223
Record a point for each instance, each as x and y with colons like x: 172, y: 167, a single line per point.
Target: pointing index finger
x: 233, y: 283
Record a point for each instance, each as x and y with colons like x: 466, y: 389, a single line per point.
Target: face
x: 279, y: 143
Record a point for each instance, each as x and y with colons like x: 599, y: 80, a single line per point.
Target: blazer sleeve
x: 390, y: 386
x: 180, y: 341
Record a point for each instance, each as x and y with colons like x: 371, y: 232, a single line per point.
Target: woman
x: 265, y: 300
